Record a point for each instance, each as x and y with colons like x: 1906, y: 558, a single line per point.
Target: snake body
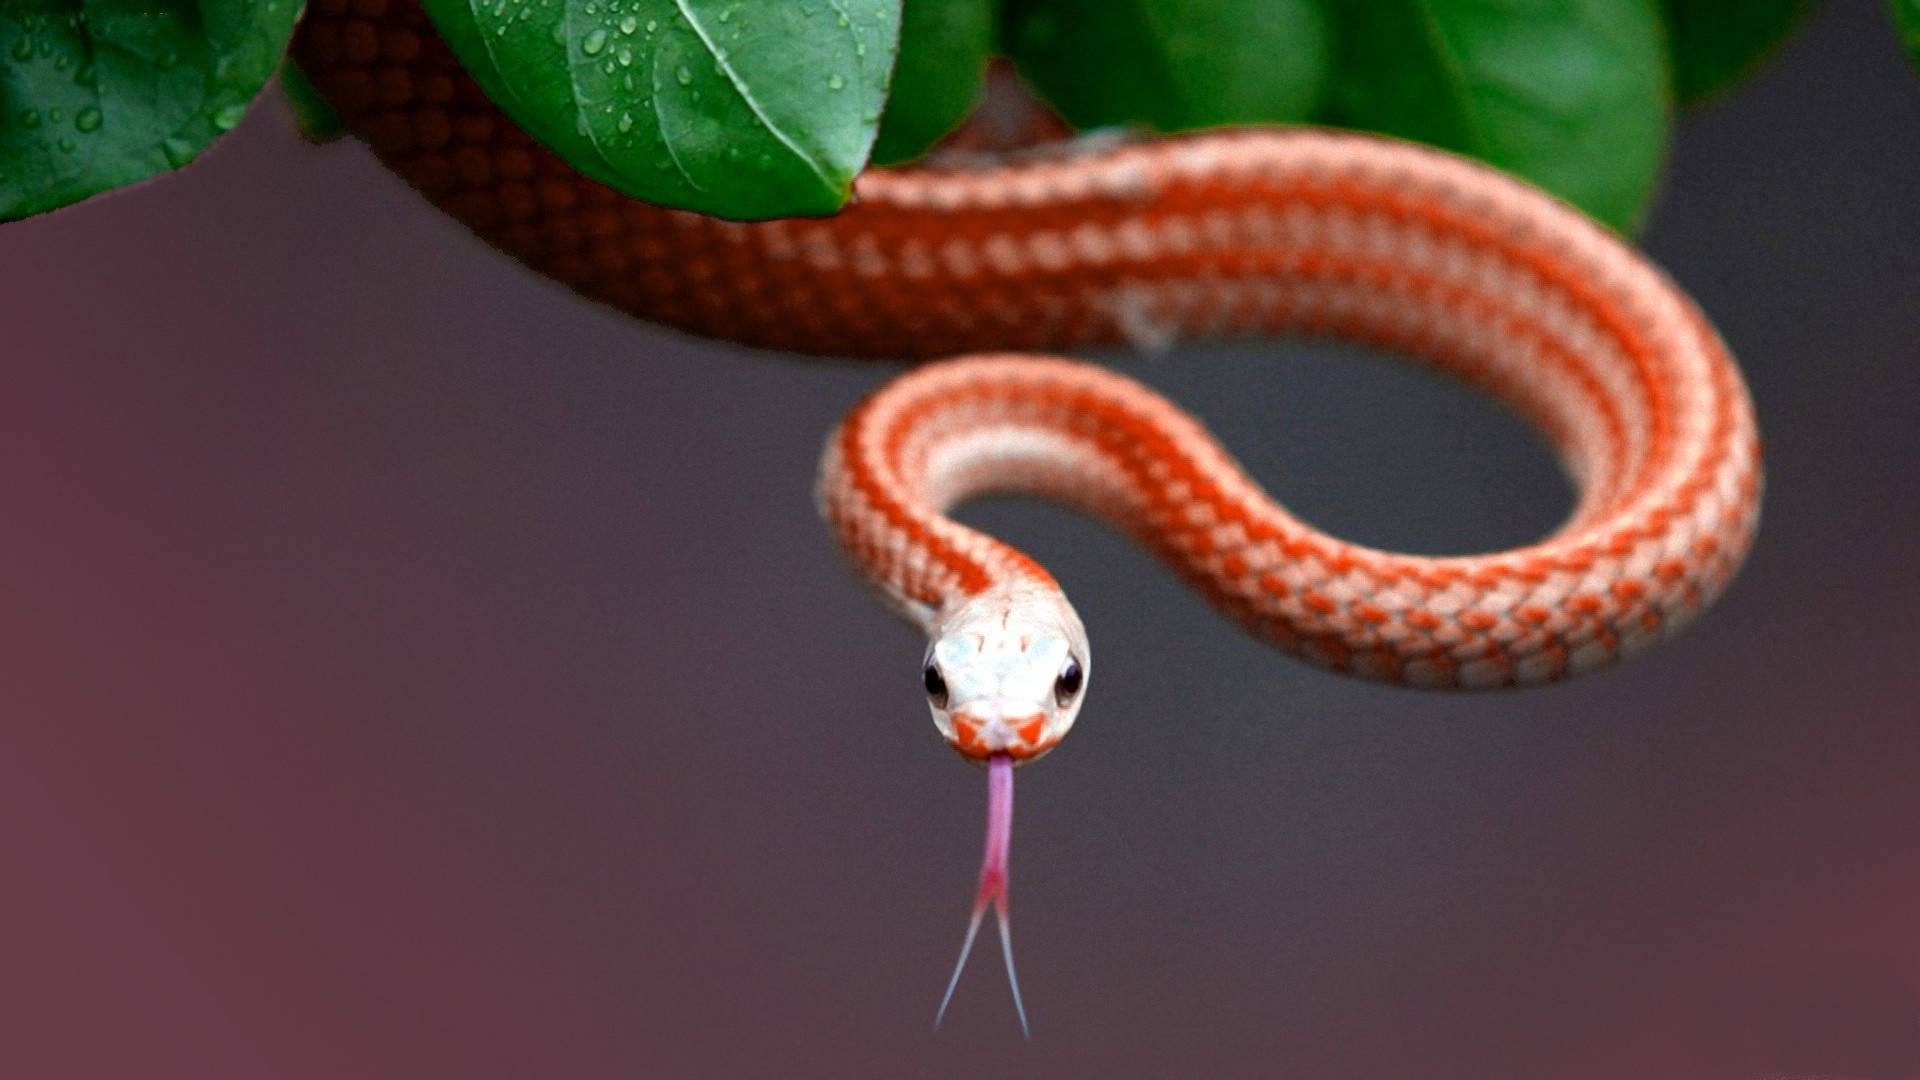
x: 1297, y: 232
x: 1301, y: 232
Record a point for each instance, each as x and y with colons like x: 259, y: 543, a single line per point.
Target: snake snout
x: 979, y: 732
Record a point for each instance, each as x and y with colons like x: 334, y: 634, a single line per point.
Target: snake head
x: 1006, y: 671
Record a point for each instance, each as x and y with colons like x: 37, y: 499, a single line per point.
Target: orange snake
x: 1300, y: 232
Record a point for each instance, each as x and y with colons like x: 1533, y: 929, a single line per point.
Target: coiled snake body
x: 1300, y: 232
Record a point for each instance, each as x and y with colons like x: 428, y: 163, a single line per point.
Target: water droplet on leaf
x: 178, y: 151
x: 836, y: 81
x: 87, y: 119
x: 227, y: 116
x: 683, y: 75
x: 594, y: 42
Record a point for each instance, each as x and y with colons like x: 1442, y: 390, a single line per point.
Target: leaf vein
x: 1450, y: 58
x: 666, y: 133
x: 740, y: 87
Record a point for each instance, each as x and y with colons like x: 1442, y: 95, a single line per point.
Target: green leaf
x: 1716, y: 43
x: 96, y: 94
x: 937, y: 80
x: 1906, y: 17
x: 1572, y: 95
x: 1172, y: 65
x: 319, y: 121
x: 738, y: 108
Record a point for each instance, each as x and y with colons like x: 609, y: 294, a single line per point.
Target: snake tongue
x: 993, y: 885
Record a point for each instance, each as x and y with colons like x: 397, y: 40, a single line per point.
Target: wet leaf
x: 738, y: 108
x: 95, y: 94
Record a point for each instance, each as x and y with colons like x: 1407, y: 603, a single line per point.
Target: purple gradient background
x: 409, y: 669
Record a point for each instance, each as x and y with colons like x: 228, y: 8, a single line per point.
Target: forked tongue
x: 993, y: 884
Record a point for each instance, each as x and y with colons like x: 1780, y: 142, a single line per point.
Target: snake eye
x: 936, y: 686
x: 1068, y: 684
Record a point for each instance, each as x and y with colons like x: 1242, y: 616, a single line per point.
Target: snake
x: 990, y: 260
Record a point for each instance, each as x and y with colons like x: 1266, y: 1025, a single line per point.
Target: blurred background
x: 410, y: 669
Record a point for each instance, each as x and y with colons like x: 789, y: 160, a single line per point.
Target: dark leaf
x: 1172, y: 65
x: 937, y: 80
x: 1716, y: 43
x: 1906, y: 17
x: 319, y: 121
x: 95, y: 95
x: 1572, y: 95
